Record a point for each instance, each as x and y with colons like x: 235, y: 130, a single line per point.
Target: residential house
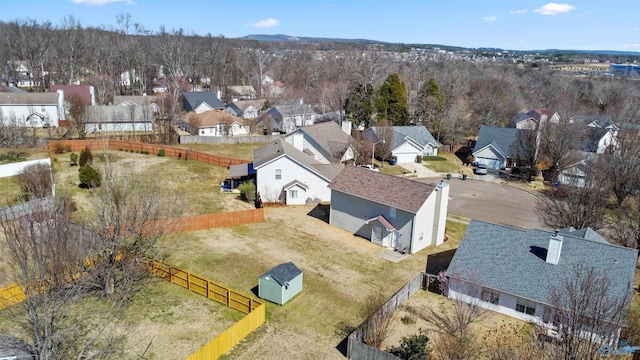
x: 280, y: 284
x: 287, y: 117
x: 499, y: 147
x: 111, y: 118
x: 286, y: 174
x: 29, y: 109
x: 512, y: 271
x: 326, y: 142
x: 577, y: 173
x: 214, y: 123
x: 407, y: 142
x: 534, y: 119
x: 84, y: 92
x: 599, y: 132
x: 240, y: 92
x: 17, y: 74
x: 272, y: 88
x: 246, y: 109
x: 201, y: 101
x: 388, y: 210
x: 137, y: 100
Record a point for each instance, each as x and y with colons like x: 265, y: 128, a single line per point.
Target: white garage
x: 407, y: 152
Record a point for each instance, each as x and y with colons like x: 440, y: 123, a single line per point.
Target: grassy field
x: 340, y: 271
x: 236, y: 151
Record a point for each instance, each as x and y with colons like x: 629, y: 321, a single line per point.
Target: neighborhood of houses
x: 501, y: 268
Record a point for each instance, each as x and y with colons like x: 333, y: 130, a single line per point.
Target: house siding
x: 295, y: 287
x: 490, y: 158
x: 16, y: 115
x: 271, y: 189
x: 349, y: 213
x: 407, y: 152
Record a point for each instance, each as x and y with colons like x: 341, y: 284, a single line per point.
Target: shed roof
x: 283, y: 273
x: 404, y: 194
x: 512, y: 260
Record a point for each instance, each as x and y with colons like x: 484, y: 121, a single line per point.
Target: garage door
x: 490, y: 163
x: 406, y: 157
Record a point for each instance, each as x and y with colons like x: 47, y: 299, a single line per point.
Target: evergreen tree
x: 358, y: 107
x: 391, y: 101
x: 86, y: 157
x: 430, y: 107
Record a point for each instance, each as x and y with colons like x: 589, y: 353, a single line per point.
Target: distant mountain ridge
x: 282, y: 37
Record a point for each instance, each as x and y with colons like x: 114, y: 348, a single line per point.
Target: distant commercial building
x: 625, y: 70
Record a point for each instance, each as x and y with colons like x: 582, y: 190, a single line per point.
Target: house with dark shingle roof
x: 498, y: 147
x: 409, y: 142
x: 286, y: 174
x: 598, y: 132
x: 534, y: 119
x: 200, y: 101
x: 326, y: 142
x: 287, y: 117
x: 214, y: 123
x: 512, y: 271
x: 246, y: 109
x: 388, y: 210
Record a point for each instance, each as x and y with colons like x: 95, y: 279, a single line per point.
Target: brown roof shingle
x: 212, y: 117
x: 381, y: 188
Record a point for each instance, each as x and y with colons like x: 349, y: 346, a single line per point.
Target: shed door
x: 376, y: 235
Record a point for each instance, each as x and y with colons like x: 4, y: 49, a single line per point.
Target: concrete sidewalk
x: 419, y: 170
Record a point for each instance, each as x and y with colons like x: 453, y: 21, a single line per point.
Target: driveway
x: 492, y: 202
x: 419, y: 170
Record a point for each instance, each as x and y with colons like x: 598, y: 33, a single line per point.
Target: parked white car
x: 370, y: 167
x: 481, y: 169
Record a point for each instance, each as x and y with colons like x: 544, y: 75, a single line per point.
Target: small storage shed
x: 280, y: 284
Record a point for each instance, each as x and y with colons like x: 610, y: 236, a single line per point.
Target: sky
x: 506, y: 24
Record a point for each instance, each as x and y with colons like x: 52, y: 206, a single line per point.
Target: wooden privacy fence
x: 254, y: 309
x: 356, y: 348
x: 77, y: 145
x: 210, y: 221
x: 11, y: 295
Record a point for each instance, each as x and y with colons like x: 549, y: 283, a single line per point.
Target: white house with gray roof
x: 409, y: 142
x: 326, y: 142
x: 32, y: 109
x: 512, y: 271
x: 388, y: 210
x: 286, y: 118
x: 286, y: 174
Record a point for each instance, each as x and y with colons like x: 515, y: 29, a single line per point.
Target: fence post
x: 188, y: 281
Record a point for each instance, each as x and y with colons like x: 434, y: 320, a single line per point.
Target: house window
x: 526, y: 306
x: 278, y: 174
x: 293, y: 194
x: 491, y: 296
x: 392, y: 213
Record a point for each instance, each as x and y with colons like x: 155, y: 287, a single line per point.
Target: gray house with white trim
x: 512, y: 271
x: 388, y: 210
x: 498, y: 147
x: 409, y: 142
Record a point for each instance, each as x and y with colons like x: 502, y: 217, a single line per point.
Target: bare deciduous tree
x: 130, y: 215
x: 379, y: 323
x: 36, y: 181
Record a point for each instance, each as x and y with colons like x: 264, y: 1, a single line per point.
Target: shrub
x: 146, y: 152
x: 58, y: 148
x: 13, y: 156
x: 35, y: 181
x: 413, y: 347
x: 248, y: 191
x: 408, y: 319
x: 89, y: 177
x: 67, y: 148
x: 73, y: 158
x: 86, y: 157
x: 161, y: 152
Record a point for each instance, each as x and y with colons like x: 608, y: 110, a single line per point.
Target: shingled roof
x: 277, y: 148
x: 329, y: 137
x: 397, y: 192
x: 29, y: 98
x: 191, y: 100
x: 212, y: 118
x: 511, y: 260
x: 503, y: 139
x: 283, y: 273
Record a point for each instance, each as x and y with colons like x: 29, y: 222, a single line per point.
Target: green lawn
x: 443, y: 163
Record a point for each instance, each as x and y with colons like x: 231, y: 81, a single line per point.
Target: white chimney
x: 346, y: 127
x: 554, y: 249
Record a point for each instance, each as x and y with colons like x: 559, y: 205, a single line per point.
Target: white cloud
x: 554, y: 9
x: 634, y: 45
x: 490, y: 18
x: 270, y: 22
x: 100, y: 2
x: 635, y: 29
x: 517, y: 12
